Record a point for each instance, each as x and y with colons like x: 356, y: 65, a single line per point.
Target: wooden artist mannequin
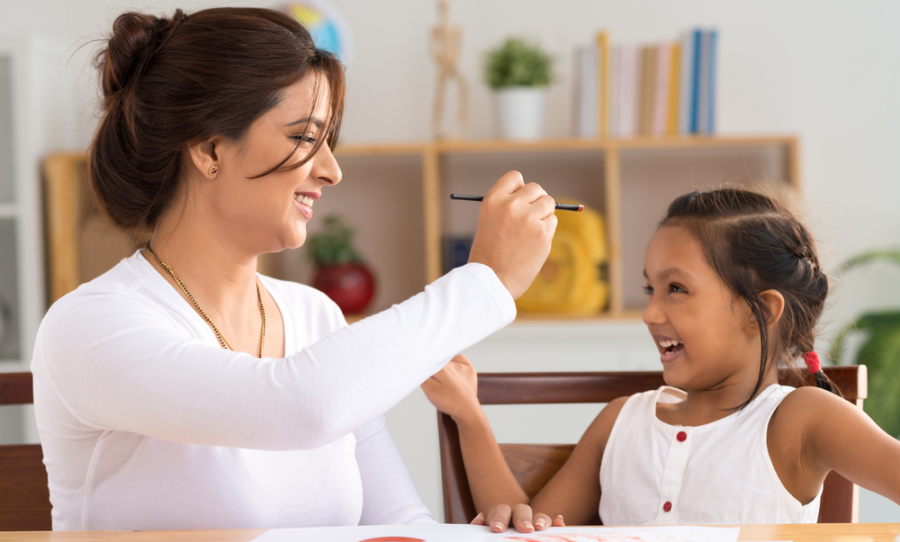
x: 444, y: 45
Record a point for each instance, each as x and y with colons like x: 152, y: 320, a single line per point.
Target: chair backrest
x: 24, y: 495
x: 534, y: 465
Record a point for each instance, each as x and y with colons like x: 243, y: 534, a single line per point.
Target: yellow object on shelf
x: 574, y: 278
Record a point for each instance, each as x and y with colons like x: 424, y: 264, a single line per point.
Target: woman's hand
x: 454, y: 390
x: 515, y: 227
x: 520, y: 516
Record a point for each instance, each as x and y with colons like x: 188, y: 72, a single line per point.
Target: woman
x: 181, y: 390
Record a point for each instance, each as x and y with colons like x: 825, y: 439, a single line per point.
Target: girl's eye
x: 648, y: 290
x: 674, y: 288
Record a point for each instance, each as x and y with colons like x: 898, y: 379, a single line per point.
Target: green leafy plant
x: 333, y: 245
x: 517, y: 63
x: 879, y: 351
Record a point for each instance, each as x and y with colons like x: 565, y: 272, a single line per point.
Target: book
x: 711, y: 82
x: 585, y: 95
x: 661, y: 97
x: 603, y: 86
x: 684, y: 83
x: 674, y: 102
x: 629, y: 88
x: 647, y: 89
x: 697, y: 36
x: 703, y: 104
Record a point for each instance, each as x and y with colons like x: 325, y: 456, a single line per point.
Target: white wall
x: 825, y: 70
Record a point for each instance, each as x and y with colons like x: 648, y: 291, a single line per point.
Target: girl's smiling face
x: 705, y: 333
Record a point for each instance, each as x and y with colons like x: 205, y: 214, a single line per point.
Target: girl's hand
x: 454, y: 390
x: 521, y: 516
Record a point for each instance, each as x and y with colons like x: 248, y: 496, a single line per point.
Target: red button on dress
x: 681, y: 436
x: 667, y: 506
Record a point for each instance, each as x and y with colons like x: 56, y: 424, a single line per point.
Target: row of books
x: 661, y: 89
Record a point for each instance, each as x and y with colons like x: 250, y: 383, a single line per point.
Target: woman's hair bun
x: 135, y: 39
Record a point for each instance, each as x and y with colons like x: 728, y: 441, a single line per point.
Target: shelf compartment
x: 571, y: 174
x: 381, y: 197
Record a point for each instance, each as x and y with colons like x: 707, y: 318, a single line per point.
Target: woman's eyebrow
x: 315, y: 121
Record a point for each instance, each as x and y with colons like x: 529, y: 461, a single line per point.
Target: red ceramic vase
x: 350, y: 285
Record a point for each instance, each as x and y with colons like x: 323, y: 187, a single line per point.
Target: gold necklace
x: 222, y: 341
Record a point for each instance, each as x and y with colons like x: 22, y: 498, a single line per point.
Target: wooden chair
x: 534, y: 464
x: 24, y: 495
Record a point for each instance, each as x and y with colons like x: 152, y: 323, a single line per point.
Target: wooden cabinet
x: 397, y: 197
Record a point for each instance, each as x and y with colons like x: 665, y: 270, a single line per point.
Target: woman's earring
x: 213, y: 170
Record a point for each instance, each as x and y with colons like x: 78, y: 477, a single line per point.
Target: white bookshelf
x: 35, y: 113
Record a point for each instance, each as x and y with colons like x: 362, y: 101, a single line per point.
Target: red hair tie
x: 812, y: 362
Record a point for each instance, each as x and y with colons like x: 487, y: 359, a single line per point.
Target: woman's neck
x: 220, y: 275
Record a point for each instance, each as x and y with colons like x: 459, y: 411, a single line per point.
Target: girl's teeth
x: 305, y: 200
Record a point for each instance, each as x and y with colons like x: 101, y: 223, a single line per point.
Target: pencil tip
x: 580, y: 208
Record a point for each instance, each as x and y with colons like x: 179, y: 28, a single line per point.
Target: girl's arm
x: 835, y: 436
x: 454, y: 391
x: 573, y: 493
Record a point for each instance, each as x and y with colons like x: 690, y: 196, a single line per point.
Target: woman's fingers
x: 516, y: 223
x: 479, y: 519
x: 559, y: 522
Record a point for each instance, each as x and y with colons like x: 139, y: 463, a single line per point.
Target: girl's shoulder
x: 805, y: 409
x: 809, y: 401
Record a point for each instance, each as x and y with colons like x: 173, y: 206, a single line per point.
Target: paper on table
x: 434, y: 532
x: 429, y: 532
x: 626, y: 534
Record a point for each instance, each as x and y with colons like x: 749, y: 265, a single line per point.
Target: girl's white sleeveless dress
x: 654, y: 473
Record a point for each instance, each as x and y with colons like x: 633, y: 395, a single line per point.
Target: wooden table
x: 819, y: 532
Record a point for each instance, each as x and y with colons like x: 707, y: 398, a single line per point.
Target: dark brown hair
x: 756, y: 244
x: 172, y: 82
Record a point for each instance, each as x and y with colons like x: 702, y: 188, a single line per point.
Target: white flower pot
x: 521, y: 111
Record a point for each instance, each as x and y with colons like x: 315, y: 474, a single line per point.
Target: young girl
x: 735, y: 290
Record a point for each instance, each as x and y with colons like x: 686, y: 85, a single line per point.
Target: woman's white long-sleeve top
x: 146, y: 423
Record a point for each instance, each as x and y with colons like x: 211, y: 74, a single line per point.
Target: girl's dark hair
x: 755, y: 244
x: 172, y: 82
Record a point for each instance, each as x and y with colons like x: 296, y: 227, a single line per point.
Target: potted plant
x: 340, y: 272
x: 519, y: 73
x: 879, y: 351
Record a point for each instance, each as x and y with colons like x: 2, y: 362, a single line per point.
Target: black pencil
x: 561, y: 206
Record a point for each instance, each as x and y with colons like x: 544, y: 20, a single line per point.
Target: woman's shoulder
x: 126, y: 289
x: 124, y: 278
